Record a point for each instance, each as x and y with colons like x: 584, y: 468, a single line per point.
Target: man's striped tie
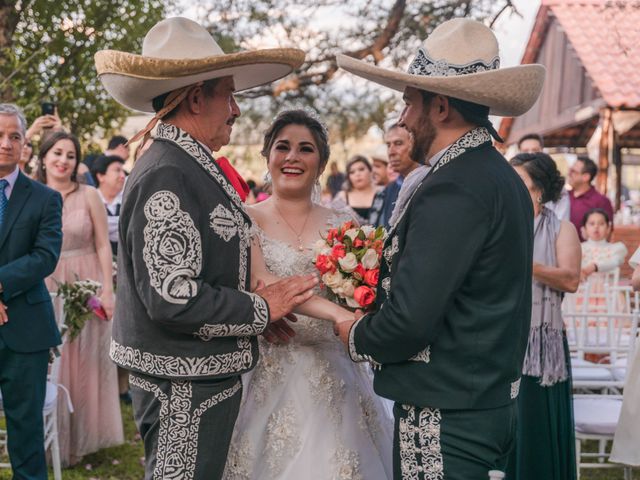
x: 3, y: 201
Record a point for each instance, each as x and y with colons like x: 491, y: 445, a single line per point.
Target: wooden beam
x: 603, y: 155
x: 617, y: 161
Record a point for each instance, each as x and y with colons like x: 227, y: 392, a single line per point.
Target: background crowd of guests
x: 91, y: 192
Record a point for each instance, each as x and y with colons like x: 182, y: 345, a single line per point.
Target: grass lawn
x: 125, y: 462
x: 118, y: 463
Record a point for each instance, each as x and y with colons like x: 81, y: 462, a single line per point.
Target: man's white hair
x: 14, y: 111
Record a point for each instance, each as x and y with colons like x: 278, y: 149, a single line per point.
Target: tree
x: 386, y: 31
x: 46, y: 54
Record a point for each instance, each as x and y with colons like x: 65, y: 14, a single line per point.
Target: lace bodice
x: 285, y: 260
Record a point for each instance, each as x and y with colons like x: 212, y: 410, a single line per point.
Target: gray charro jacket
x: 183, y: 309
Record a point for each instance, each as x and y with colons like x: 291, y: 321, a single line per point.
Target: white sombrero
x: 460, y: 59
x: 178, y: 52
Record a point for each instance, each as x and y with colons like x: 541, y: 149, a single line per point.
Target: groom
x: 186, y: 323
x: 453, y: 304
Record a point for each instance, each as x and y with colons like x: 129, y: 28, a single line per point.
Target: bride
x: 308, y: 411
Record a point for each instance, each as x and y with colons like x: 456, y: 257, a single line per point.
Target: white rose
x: 348, y: 263
x: 352, y: 233
x: 352, y: 303
x: 319, y: 247
x: 368, y: 230
x: 332, y: 280
x: 370, y: 259
x: 347, y: 288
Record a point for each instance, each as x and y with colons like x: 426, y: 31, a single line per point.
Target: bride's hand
x: 279, y: 331
x: 341, y: 314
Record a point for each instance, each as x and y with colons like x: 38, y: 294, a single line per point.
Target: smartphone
x: 48, y: 108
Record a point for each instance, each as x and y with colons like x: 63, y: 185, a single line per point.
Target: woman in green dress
x: 545, y: 440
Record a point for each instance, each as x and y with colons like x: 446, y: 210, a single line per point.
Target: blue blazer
x: 30, y: 242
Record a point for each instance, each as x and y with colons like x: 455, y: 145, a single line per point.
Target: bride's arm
x: 316, y: 306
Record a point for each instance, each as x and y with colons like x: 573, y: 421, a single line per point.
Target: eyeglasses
x: 573, y: 171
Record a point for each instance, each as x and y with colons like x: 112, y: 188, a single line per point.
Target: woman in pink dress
x: 85, y: 368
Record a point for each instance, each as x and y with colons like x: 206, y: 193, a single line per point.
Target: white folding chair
x: 609, y: 336
x: 593, y: 295
x: 596, y: 418
x: 50, y: 410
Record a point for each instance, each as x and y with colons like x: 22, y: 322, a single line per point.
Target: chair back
x: 604, y: 339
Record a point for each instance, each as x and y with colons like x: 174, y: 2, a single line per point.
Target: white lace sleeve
x: 341, y: 215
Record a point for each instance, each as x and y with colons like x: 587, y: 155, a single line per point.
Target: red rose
x: 359, y: 272
x: 338, y: 251
x: 331, y: 235
x: 371, y: 277
x: 358, y: 243
x: 365, y: 296
x: 324, y: 264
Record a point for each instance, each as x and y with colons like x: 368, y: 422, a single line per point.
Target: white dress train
x: 308, y: 411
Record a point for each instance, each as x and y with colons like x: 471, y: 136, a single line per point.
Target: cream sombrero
x: 178, y: 52
x: 460, y: 59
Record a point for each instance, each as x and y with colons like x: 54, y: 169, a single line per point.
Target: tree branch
x: 508, y: 4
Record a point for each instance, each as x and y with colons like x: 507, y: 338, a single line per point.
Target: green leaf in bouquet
x: 361, y: 235
x: 380, y: 233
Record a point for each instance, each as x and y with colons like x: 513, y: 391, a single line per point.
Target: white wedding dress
x: 308, y: 411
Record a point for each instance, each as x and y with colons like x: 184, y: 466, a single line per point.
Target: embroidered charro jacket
x: 454, y: 298
x: 183, y: 309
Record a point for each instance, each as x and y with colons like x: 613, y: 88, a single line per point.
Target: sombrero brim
x: 134, y: 80
x: 508, y: 92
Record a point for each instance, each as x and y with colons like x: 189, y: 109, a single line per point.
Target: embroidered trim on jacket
x: 223, y: 222
x: 170, y: 366
x: 260, y: 320
x: 172, y: 248
x: 355, y: 356
x: 423, y: 355
x: 420, y: 453
x: 198, y: 153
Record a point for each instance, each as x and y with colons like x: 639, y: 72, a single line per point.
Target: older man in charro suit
x: 186, y: 321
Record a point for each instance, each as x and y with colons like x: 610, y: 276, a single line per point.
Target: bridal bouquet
x: 80, y: 304
x: 349, y: 261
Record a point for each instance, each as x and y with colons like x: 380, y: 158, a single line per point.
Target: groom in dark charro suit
x: 30, y: 241
x: 448, y: 337
x: 186, y: 321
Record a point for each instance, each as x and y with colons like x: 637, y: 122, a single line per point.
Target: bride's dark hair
x: 303, y: 118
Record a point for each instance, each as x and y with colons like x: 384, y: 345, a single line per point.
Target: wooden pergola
x: 591, y: 49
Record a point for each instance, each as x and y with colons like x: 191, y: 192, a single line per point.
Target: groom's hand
x: 342, y: 329
x: 286, y: 294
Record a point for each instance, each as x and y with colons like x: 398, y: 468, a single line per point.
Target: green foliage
x: 390, y: 31
x: 51, y: 57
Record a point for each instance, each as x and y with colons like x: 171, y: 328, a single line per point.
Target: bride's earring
x: 316, y: 193
x: 267, y: 177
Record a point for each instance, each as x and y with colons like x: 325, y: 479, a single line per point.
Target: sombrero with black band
x: 460, y: 59
x: 178, y: 52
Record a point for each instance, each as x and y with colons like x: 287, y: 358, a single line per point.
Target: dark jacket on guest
x: 30, y: 242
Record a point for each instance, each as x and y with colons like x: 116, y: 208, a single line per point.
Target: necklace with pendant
x: 298, y: 235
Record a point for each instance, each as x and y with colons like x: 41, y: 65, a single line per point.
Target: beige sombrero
x: 460, y: 59
x: 178, y: 52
